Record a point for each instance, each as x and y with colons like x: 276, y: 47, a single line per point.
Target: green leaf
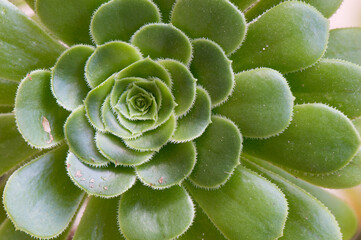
x: 211, y: 67
x: 170, y: 166
x: 146, y: 68
x: 7, y: 92
x: 6, y: 109
x: 319, y: 140
x: 24, y: 45
x: 94, y: 102
x: 31, y: 3
x: 261, y: 103
x: 218, y: 152
x: 68, y: 82
x: 120, y: 19
x: 39, y: 118
x: 217, y: 20
x: 160, y: 40
x: 39, y: 197
x: 308, y: 218
x: 184, y: 85
x: 289, y: 37
x: 202, y: 228
x: 326, y: 7
x: 344, y: 44
x: 68, y: 19
x: 103, y: 182
x: 165, y: 7
x: 246, y: 207
x: 154, y: 139
x: 3, y: 180
x: 8, y: 232
x: 343, y: 213
x: 108, y: 59
x: 149, y: 214
x: 99, y: 221
x: 117, y: 152
x: 197, y: 119
x: 332, y: 82
x: 13, y: 149
x: 80, y: 137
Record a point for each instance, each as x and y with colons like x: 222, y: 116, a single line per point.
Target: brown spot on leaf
x: 46, y: 127
x: 161, y: 180
x: 29, y: 77
x: 91, y: 185
x: 105, y: 188
x: 78, y: 174
x: 92, y: 180
x: 68, y: 166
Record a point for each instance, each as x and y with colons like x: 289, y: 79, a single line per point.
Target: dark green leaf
x: 165, y: 7
x: 8, y: 232
x: 7, y: 92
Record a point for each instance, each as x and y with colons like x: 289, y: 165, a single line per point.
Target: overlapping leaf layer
x: 179, y: 119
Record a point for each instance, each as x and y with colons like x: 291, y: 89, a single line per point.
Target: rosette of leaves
x: 188, y: 119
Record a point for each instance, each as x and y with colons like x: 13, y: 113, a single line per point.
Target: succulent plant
x: 187, y: 119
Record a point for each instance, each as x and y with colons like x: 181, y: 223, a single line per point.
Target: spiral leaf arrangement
x: 187, y: 119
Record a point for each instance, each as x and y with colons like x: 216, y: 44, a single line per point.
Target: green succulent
x: 178, y: 119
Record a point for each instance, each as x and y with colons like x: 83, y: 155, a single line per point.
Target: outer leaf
x: 344, y: 44
x: 170, y: 166
x: 8, y: 232
x: 261, y: 103
x: 7, y: 92
x: 163, y: 41
x: 68, y: 83
x: 152, y: 215
x: 13, y: 149
x: 39, y: 197
x: 108, y: 59
x: 80, y: 137
x: 326, y: 7
x: 219, y: 149
x: 333, y: 82
x: 117, y: 152
x: 260, y: 206
x: 99, y: 221
x: 24, y: 45
x: 218, y: 20
x: 120, y: 19
x: 165, y: 7
x: 308, y: 218
x: 212, y: 69
x: 60, y: 15
x: 319, y: 140
x: 289, y: 37
x: 193, y: 124
x: 39, y: 118
x: 103, y: 182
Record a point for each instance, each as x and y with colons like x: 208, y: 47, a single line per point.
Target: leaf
x: 197, y: 119
x: 289, y: 37
x: 99, y: 220
x: 152, y: 215
x: 319, y: 140
x: 343, y: 213
x: 39, y: 197
x: 261, y: 103
x: 243, y: 4
x: 326, y: 7
x: 332, y: 82
x: 154, y: 139
x: 108, y: 59
x: 213, y: 70
x: 219, y: 149
x: 163, y: 41
x: 102, y: 182
x: 117, y: 152
x: 120, y: 19
x: 7, y: 92
x: 8, y: 232
x: 170, y: 166
x: 39, y: 118
x: 68, y: 19
x: 13, y: 148
x: 246, y: 207
x: 308, y: 218
x: 24, y: 46
x: 217, y: 20
x: 68, y: 82
x: 165, y: 7
x: 80, y: 137
x: 344, y: 44
x: 184, y: 85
